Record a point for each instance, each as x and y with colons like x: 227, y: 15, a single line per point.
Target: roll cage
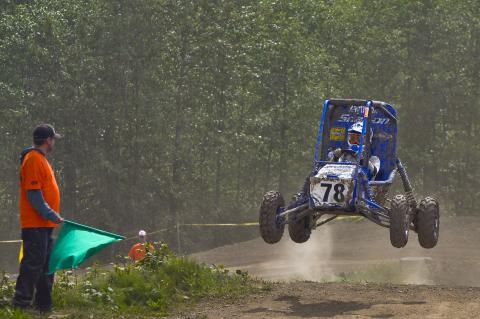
x: 378, y: 117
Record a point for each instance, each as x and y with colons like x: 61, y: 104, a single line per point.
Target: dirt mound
x: 361, y: 251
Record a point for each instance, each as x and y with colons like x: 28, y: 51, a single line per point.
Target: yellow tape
x: 151, y: 233
x: 211, y: 225
x: 354, y: 218
x: 10, y: 241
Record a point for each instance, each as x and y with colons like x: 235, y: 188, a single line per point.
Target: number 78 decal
x: 331, y: 192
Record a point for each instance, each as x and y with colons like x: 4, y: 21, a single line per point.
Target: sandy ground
x: 350, y: 270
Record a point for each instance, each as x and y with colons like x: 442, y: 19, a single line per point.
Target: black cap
x: 45, y: 131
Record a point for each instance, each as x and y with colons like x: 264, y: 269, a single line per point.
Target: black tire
x: 270, y: 231
x: 399, y: 221
x: 428, y: 222
x: 299, y: 230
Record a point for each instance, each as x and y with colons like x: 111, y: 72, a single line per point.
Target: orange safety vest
x: 138, y: 251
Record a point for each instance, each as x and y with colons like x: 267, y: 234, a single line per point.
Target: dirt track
x: 441, y: 280
x: 343, y: 300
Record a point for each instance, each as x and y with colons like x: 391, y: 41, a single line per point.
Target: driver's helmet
x: 354, y: 136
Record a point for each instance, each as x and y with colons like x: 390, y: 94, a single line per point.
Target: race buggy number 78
x: 332, y: 185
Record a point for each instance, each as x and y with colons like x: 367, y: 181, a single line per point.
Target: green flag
x: 76, y: 243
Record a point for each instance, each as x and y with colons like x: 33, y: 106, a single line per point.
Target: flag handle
x: 94, y: 229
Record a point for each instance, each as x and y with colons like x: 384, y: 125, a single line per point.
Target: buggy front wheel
x: 270, y: 230
x: 399, y: 221
x: 428, y: 222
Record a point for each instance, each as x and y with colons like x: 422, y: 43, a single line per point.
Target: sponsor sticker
x: 337, y: 133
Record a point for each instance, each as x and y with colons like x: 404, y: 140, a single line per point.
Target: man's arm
x: 35, y: 197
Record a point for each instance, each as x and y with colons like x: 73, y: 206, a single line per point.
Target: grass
x: 159, y: 285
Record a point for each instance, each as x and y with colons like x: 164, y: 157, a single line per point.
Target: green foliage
x: 158, y: 285
x: 7, y: 313
x: 7, y: 289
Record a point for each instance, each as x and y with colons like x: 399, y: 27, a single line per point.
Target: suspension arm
x: 407, y: 186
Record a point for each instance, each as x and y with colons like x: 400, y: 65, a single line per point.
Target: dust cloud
x: 310, y: 260
x: 415, y: 270
x: 361, y: 252
x: 314, y: 260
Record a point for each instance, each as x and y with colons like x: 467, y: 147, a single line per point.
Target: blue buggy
x: 355, y: 163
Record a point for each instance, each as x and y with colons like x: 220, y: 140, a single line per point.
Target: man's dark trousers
x: 33, y: 278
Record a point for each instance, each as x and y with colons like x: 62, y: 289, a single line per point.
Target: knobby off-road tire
x: 399, y: 221
x: 299, y: 230
x: 270, y: 231
x: 428, y: 222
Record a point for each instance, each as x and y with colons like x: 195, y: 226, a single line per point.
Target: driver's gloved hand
x: 334, y: 155
x: 337, y: 153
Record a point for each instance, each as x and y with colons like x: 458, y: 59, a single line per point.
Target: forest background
x: 188, y: 111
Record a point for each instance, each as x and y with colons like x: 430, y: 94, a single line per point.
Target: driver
x: 349, y: 155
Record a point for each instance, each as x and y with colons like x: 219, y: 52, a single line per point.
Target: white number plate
x: 329, y: 192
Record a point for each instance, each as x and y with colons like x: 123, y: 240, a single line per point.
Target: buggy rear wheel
x: 428, y: 222
x: 270, y: 230
x: 399, y: 221
x: 299, y: 230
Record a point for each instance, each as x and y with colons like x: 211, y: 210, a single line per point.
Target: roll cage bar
x: 369, y: 105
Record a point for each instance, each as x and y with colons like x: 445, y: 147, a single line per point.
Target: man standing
x: 39, y: 215
x: 139, y: 250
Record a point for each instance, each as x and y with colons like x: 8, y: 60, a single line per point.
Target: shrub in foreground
x: 157, y: 285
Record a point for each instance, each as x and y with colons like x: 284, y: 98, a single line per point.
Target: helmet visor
x: 354, y: 138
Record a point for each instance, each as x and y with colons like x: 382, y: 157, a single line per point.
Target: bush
x: 156, y: 285
x: 7, y: 289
